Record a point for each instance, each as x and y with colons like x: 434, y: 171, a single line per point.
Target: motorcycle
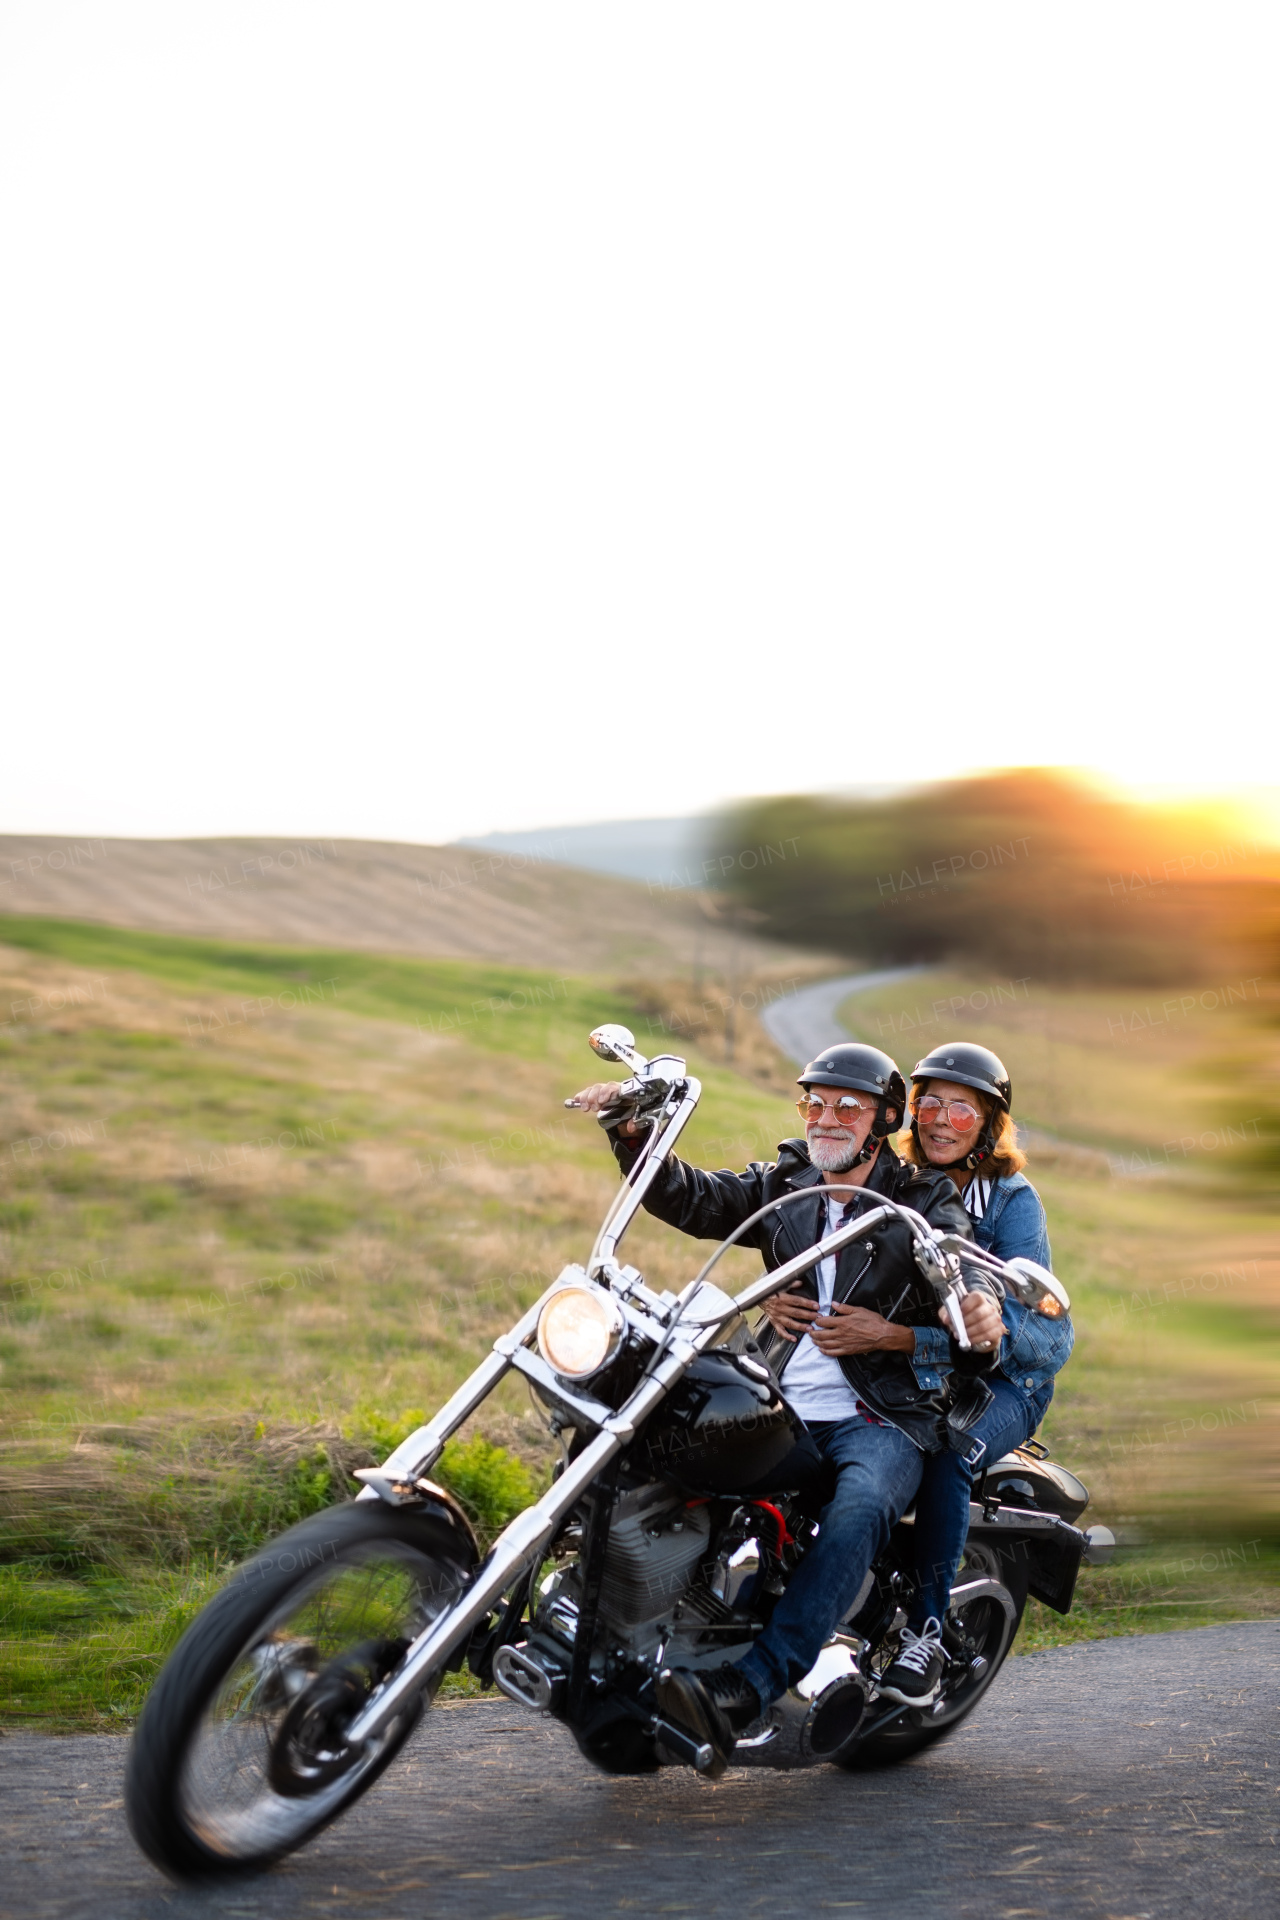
x: 304, y: 1676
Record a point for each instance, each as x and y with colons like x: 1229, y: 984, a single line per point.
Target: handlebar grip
x: 958, y: 1326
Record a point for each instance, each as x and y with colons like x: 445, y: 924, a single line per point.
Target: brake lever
x: 942, y: 1270
x: 638, y: 1100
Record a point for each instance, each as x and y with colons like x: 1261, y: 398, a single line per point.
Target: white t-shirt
x: 813, y: 1382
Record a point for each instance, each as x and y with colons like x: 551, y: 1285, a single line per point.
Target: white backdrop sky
x: 421, y: 419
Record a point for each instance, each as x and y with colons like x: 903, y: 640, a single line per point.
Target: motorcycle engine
x: 660, y: 1585
x: 656, y: 1542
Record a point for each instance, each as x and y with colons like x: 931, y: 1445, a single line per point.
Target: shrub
x: 492, y: 1484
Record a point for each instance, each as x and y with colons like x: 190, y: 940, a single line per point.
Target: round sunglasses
x: 844, y: 1111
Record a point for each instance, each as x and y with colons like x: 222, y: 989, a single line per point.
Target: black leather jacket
x: 879, y: 1272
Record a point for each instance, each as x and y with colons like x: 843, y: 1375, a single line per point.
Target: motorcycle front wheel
x: 239, y: 1756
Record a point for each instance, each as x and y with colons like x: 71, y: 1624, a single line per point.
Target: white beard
x: 833, y: 1156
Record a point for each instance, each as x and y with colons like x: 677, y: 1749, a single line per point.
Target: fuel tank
x: 722, y: 1430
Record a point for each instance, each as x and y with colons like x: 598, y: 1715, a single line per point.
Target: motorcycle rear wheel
x: 990, y: 1623
x: 238, y: 1757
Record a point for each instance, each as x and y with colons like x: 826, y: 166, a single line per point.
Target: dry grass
x: 1170, y: 1407
x: 232, y: 1257
x: 380, y: 897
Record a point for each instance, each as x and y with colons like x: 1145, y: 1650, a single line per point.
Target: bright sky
x: 422, y: 419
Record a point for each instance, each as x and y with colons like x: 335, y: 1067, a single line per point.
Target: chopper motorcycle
x: 304, y: 1676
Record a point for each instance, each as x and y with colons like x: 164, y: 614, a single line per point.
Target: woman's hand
x: 791, y: 1314
x: 599, y: 1095
x: 982, y: 1321
x: 857, y: 1330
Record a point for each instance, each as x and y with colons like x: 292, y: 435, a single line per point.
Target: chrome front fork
x: 516, y: 1548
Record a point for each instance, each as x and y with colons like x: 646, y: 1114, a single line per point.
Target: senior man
x: 850, y: 1370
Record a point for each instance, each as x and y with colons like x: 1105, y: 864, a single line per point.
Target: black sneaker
x: 913, y: 1677
x: 715, y: 1706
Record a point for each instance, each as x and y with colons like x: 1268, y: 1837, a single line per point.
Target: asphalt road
x: 802, y: 1024
x: 1132, y: 1779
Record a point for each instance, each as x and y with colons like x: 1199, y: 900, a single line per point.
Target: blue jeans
x: 942, y: 1504
x: 878, y: 1471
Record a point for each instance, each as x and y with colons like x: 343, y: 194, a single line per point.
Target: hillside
x: 255, y: 1204
x: 382, y: 897
x: 259, y: 1203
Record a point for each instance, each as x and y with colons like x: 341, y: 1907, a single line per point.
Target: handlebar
x: 685, y: 1094
x: 939, y: 1266
x: 776, y: 1282
x: 1026, y: 1280
x: 660, y: 1090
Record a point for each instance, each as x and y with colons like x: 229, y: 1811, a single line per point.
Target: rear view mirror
x: 1036, y: 1287
x: 617, y: 1043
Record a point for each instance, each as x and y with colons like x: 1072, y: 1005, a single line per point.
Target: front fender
x: 423, y: 1496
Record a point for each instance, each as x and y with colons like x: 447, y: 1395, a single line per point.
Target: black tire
x: 354, y: 1584
x: 992, y: 1630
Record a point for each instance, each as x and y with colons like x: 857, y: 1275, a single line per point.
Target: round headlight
x: 578, y: 1331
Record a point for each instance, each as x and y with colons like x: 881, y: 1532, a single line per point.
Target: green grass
x: 83, y: 1653
x: 1162, y: 1590
x: 447, y: 996
x: 231, y: 1255
x: 111, y: 1570
x: 234, y: 1252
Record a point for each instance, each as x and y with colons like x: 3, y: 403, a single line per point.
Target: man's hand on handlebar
x: 599, y: 1095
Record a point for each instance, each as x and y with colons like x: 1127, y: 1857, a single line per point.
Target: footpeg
x: 698, y: 1754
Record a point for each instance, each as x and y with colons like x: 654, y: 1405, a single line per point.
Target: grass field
x: 259, y: 1205
x: 1170, y: 1407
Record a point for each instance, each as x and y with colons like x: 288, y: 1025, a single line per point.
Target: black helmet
x: 864, y: 1069
x: 969, y: 1066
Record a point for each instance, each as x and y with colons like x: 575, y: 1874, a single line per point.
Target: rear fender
x: 1044, y: 1547
x: 1023, y: 1476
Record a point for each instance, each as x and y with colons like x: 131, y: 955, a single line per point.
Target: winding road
x: 1127, y: 1779
x: 805, y: 1022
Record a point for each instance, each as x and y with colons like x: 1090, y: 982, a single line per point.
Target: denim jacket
x: 1034, y: 1349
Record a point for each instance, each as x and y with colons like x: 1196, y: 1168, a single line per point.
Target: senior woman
x: 961, y: 1123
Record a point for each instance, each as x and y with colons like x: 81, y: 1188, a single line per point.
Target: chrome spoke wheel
x: 268, y: 1760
